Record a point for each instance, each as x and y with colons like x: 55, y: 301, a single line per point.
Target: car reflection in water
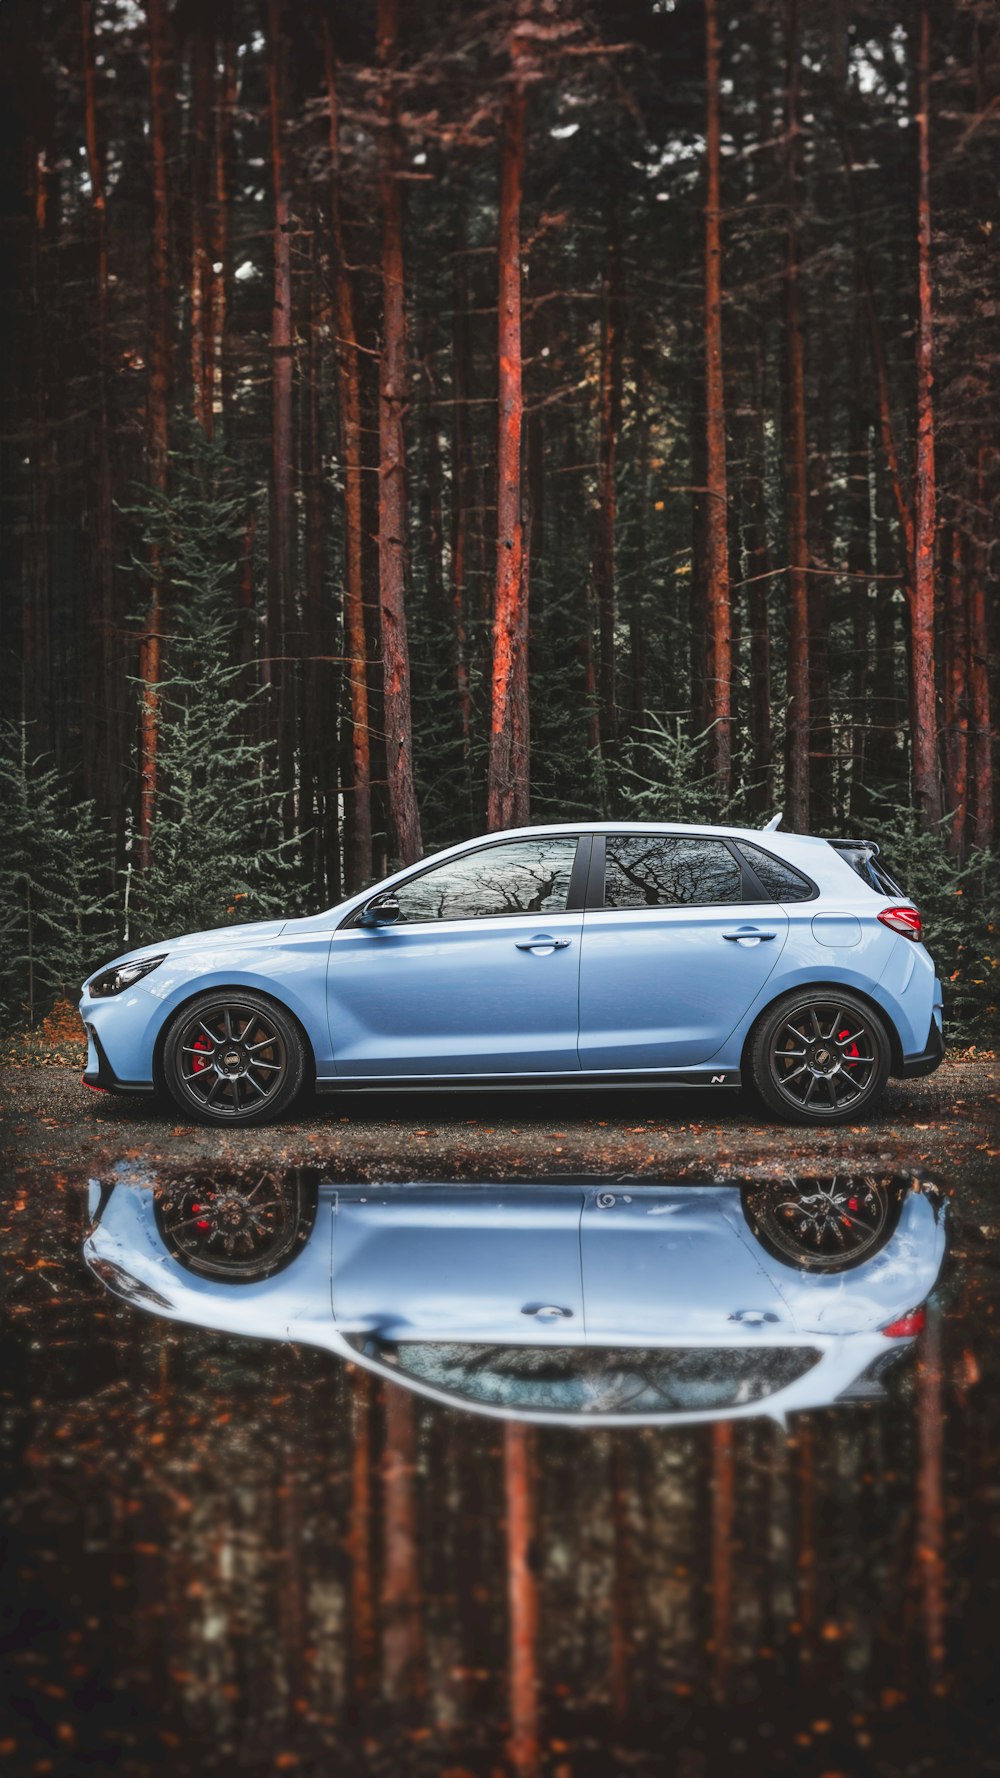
x: 571, y: 1303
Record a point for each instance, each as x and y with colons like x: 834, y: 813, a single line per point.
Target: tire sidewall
x: 295, y: 1053
x: 760, y: 1065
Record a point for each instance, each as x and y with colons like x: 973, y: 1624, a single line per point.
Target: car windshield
x: 567, y: 1379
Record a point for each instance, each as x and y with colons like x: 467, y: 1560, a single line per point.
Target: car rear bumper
x: 929, y: 1058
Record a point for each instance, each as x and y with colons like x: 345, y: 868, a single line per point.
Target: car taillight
x: 907, y: 1326
x: 904, y: 920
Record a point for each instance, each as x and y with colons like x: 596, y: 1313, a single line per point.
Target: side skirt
x: 688, y: 1077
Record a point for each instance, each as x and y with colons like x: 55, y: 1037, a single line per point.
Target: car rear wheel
x: 820, y: 1057
x: 233, y: 1058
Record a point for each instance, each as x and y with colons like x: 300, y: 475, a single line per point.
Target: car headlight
x: 113, y: 981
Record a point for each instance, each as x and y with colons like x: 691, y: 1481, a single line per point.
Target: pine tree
x: 216, y: 855
x: 56, y: 919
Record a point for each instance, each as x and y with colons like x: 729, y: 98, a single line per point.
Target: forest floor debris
x: 947, y: 1124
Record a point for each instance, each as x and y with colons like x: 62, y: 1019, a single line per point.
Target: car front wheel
x: 233, y: 1058
x: 819, y: 1057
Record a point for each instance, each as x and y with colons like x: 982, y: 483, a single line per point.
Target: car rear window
x: 661, y: 870
x: 779, y: 880
x: 866, y: 865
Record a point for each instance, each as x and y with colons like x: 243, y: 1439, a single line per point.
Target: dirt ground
x: 948, y: 1124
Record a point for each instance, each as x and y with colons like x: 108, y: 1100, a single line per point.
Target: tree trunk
x: 398, y: 713
x: 609, y: 424
x: 859, y: 564
x: 281, y: 552
x: 723, y: 1498
x: 758, y: 562
x: 104, y: 762
x: 979, y: 661
x: 202, y: 95
x: 798, y: 720
x: 508, y: 786
x: 220, y: 254
x: 956, y: 715
x: 358, y: 859
x: 158, y: 406
x: 462, y: 496
x: 522, y: 1599
x: 923, y: 709
x: 930, y: 1491
x: 717, y: 503
x: 359, y: 1536
x: 402, y: 1639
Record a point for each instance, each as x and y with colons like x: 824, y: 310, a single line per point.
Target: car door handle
x: 547, y: 1312
x: 541, y: 942
x: 752, y: 932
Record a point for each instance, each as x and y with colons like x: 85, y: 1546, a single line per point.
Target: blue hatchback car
x: 599, y: 953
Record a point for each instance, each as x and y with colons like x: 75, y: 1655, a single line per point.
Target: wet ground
x: 950, y: 1120
x: 225, y: 1554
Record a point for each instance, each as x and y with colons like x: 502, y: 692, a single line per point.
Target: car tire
x: 233, y: 1057
x: 819, y: 1056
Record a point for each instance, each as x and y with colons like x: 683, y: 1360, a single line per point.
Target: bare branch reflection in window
x: 514, y: 877
x: 669, y: 872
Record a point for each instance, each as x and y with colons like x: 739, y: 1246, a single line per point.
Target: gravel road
x: 948, y: 1124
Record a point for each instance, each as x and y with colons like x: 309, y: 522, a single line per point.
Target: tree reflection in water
x: 230, y: 1555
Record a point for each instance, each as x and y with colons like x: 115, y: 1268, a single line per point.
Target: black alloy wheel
x: 242, y: 1229
x: 233, y: 1058
x: 820, y: 1057
x: 822, y: 1225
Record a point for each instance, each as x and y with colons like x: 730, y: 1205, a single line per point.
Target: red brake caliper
x: 200, y: 1043
x: 853, y: 1051
x: 195, y: 1210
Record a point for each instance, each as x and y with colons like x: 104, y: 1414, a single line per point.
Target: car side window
x: 778, y: 880
x: 513, y: 877
x: 666, y: 870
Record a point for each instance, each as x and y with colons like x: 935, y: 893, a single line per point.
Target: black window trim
x: 575, y: 895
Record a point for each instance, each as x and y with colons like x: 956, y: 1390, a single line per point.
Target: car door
x: 675, y: 956
x: 480, y: 974
x: 447, y: 1263
x: 673, y: 1262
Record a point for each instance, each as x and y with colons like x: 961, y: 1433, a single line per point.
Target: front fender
x: 291, y: 970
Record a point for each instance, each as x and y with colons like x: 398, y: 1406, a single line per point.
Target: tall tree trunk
x: 956, y: 715
x: 758, y: 562
x: 717, y: 501
x: 103, y: 766
x: 979, y: 660
x: 402, y: 1637
x: 723, y: 1495
x: 923, y: 708
x: 221, y: 252
x: 202, y: 96
x: 398, y: 715
x: 508, y: 786
x: 930, y: 1491
x: 859, y: 564
x: 609, y: 424
x: 359, y: 1536
x: 798, y: 720
x: 158, y: 406
x: 621, y: 1588
x: 522, y: 1598
x: 462, y: 496
x: 358, y: 859
x: 281, y: 552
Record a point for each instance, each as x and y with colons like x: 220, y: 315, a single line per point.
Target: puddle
x: 576, y: 1477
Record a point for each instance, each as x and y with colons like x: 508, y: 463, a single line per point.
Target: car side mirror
x: 382, y: 910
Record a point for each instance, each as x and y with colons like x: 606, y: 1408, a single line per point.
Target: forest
x: 423, y: 419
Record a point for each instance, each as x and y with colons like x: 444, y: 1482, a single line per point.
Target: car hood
x: 249, y: 932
